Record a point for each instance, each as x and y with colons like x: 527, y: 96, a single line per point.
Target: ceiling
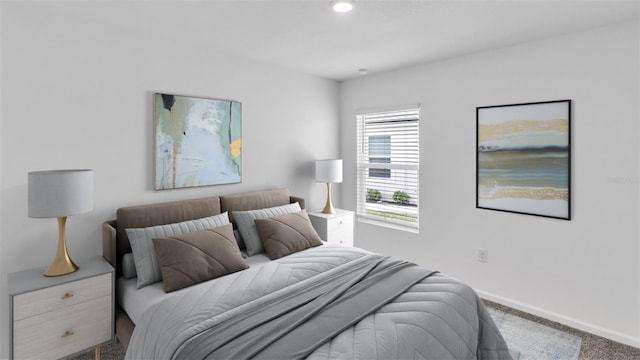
x: 306, y: 35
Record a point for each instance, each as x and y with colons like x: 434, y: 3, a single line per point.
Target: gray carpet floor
x: 593, y: 347
x: 529, y: 340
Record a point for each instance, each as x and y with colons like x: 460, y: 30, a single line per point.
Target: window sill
x: 389, y: 225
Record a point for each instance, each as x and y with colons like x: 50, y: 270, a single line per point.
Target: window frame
x: 409, y: 160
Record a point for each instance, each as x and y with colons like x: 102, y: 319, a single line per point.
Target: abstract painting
x: 198, y: 142
x: 523, y: 158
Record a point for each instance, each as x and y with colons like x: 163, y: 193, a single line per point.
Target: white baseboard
x: 577, y: 324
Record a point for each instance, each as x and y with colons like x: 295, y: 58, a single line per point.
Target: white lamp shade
x: 59, y: 193
x: 329, y: 171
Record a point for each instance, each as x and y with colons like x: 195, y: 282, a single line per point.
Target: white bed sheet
x: 136, y: 301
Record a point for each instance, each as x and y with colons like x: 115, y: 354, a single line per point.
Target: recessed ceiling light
x: 342, y: 6
x: 363, y: 71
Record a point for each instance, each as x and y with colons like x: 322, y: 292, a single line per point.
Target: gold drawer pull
x: 67, y: 334
x: 67, y: 295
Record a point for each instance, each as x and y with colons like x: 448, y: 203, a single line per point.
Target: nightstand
x: 334, y: 228
x: 54, y: 317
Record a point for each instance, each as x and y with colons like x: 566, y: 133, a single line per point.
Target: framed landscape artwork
x: 523, y: 158
x: 198, y: 142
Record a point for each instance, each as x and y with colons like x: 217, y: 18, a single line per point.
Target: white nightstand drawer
x: 343, y: 236
x: 340, y: 230
x: 342, y: 223
x: 57, y: 297
x: 65, y: 331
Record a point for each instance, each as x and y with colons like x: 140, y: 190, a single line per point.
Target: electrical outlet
x: 483, y: 255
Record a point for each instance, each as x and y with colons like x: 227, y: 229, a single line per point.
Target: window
x: 380, y: 152
x: 388, y: 161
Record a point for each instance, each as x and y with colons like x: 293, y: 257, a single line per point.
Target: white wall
x: 77, y: 94
x: 586, y: 269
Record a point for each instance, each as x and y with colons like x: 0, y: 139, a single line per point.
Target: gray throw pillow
x: 247, y: 227
x: 198, y: 256
x: 128, y: 266
x: 286, y: 234
x: 239, y: 240
x: 144, y: 254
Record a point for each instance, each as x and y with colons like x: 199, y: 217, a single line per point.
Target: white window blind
x: 388, y: 166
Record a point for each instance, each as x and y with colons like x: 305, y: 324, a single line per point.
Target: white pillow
x: 144, y: 254
x: 244, y: 220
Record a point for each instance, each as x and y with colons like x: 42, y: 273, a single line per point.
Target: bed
x: 279, y: 299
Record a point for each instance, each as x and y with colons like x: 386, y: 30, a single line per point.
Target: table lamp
x: 60, y: 193
x: 329, y: 171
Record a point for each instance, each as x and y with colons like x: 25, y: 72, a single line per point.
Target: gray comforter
x: 323, y: 303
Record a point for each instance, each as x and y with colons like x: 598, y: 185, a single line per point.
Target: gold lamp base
x: 62, y: 263
x: 328, y: 208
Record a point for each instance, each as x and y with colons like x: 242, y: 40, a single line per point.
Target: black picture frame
x: 523, y: 158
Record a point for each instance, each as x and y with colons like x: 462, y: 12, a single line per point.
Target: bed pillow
x: 198, y: 256
x: 239, y: 240
x: 286, y: 234
x: 144, y: 255
x: 128, y: 267
x: 247, y: 227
